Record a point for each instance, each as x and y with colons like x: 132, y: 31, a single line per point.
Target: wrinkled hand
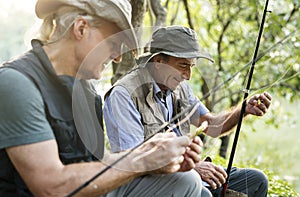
x: 163, y: 153
x: 214, y: 175
x: 192, y: 155
x: 258, y: 104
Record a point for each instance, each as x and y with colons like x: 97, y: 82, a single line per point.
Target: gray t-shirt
x: 22, y: 112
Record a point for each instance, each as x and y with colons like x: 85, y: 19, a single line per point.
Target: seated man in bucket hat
x: 51, y: 138
x: 155, y: 93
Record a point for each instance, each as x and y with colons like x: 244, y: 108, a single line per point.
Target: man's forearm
x: 110, y: 180
x: 231, y: 120
x: 222, y: 123
x: 44, y: 174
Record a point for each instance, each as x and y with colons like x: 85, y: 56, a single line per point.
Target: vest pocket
x: 69, y: 143
x: 151, y: 124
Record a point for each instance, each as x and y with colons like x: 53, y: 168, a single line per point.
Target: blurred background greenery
x: 227, y: 30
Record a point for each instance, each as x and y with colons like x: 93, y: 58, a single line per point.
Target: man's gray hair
x: 56, y: 26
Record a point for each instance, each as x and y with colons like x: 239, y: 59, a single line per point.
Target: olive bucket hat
x: 176, y: 41
x: 116, y: 11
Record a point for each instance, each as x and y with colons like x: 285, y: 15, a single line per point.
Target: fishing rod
x: 246, y: 93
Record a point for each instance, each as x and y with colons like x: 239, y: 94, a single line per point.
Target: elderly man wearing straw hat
x: 51, y: 137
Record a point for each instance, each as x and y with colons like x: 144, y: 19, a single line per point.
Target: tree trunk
x: 139, y: 8
x: 224, y: 145
x: 160, y: 13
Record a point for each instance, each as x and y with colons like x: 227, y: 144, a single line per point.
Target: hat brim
x: 131, y: 42
x: 46, y: 7
x: 145, y: 58
x: 130, y: 33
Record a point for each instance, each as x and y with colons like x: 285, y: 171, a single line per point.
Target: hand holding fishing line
x: 192, y: 156
x: 258, y: 104
x: 184, y: 165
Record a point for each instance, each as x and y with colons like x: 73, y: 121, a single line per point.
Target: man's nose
x: 187, y: 74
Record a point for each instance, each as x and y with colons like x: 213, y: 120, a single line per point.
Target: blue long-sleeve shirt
x: 123, y: 122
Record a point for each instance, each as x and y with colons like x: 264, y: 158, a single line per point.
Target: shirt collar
x: 158, y: 92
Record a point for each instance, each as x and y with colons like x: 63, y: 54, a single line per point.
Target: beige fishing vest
x: 139, y: 84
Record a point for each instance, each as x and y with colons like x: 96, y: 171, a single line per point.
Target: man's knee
x: 195, y: 184
x: 192, y: 179
x: 253, y: 182
x: 262, y: 177
x: 263, y: 180
x: 191, y: 183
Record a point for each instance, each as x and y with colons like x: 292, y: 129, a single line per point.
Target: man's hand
x: 192, y: 155
x: 214, y: 175
x: 164, y: 153
x: 258, y: 104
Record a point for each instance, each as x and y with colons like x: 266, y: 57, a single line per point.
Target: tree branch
x: 175, y: 14
x: 160, y: 13
x: 294, y: 10
x: 187, y: 10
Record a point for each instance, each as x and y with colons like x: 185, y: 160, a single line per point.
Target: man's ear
x: 80, y: 28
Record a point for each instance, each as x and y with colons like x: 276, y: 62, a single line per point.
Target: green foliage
x: 279, y: 187
x: 228, y: 30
